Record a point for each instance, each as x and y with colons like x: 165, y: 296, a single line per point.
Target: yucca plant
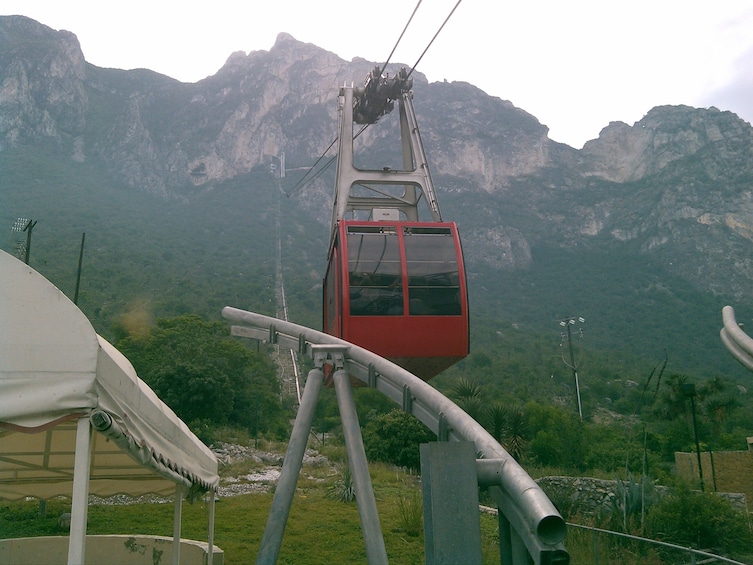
x: 343, y: 489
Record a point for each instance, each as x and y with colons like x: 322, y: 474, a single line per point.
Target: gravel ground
x: 260, y: 480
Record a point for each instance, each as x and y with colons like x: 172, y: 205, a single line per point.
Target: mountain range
x: 647, y: 231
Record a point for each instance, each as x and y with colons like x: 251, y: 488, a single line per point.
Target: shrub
x: 700, y: 520
x: 395, y: 438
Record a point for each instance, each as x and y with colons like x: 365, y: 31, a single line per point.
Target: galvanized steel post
x: 291, y: 467
x: 359, y: 467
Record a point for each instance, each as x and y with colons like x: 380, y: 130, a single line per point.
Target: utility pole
x: 27, y: 229
x: 78, y: 273
x: 566, y: 323
x: 688, y: 389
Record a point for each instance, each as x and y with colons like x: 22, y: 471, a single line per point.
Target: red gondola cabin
x: 398, y: 289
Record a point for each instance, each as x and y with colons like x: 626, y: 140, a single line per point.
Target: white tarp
x: 55, y: 369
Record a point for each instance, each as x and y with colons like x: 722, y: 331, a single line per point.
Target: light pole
x: 688, y: 389
x: 566, y: 323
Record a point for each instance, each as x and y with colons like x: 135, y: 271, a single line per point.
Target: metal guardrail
x: 533, y: 520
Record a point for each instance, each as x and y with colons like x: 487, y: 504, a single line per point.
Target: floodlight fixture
x: 20, y: 224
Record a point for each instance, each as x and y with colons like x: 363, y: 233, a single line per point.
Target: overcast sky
x: 576, y: 65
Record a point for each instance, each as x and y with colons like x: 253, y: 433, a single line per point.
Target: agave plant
x: 343, y: 489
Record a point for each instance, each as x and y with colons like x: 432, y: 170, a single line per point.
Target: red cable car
x: 398, y: 289
x: 394, y: 285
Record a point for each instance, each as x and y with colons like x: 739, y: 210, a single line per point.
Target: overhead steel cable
x: 399, y: 39
x: 433, y: 38
x: 305, y: 181
x: 299, y: 184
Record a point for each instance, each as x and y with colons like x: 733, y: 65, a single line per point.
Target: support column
x: 80, y: 500
x: 291, y: 467
x: 449, y: 484
x: 210, y: 539
x: 177, y: 517
x: 505, y: 538
x: 520, y: 554
x: 359, y: 467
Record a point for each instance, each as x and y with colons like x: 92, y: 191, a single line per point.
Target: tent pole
x: 177, y: 517
x: 80, y: 500
x: 210, y: 540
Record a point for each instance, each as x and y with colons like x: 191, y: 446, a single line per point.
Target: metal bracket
x: 489, y: 472
x: 372, y: 376
x: 443, y: 428
x: 329, y: 354
x: 407, y: 399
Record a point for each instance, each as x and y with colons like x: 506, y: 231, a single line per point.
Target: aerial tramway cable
x: 399, y: 39
x: 433, y: 38
x: 300, y: 185
x: 303, y: 182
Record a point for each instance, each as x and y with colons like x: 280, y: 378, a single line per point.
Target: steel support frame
x: 283, y: 499
x: 531, y: 515
x: 415, y: 178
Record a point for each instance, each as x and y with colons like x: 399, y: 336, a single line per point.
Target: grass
x: 319, y: 530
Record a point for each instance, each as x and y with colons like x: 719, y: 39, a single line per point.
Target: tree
x: 203, y: 374
x: 469, y: 395
x: 395, y: 438
x: 509, y: 427
x: 557, y: 436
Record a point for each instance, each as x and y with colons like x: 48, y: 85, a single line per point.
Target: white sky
x: 576, y: 65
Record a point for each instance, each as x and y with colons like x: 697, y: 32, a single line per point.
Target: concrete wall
x: 589, y: 496
x: 723, y: 471
x: 112, y: 550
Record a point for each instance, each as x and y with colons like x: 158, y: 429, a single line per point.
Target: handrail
x: 522, y: 501
x: 737, y: 342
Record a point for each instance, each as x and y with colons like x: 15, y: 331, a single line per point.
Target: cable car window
x: 374, y: 272
x: 433, y: 274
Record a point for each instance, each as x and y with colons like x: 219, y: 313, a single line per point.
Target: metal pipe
x: 278, y: 515
x: 210, y: 536
x: 177, y: 518
x: 737, y: 342
x: 359, y: 467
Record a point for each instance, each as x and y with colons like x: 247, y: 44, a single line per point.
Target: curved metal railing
x: 522, y: 503
x: 737, y: 342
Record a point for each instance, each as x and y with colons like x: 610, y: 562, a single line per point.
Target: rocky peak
x: 42, y: 74
x: 666, y: 134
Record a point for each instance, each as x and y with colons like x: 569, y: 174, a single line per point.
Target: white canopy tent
x: 60, y: 382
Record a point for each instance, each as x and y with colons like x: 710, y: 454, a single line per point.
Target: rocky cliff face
x: 42, y: 93
x: 678, y: 183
